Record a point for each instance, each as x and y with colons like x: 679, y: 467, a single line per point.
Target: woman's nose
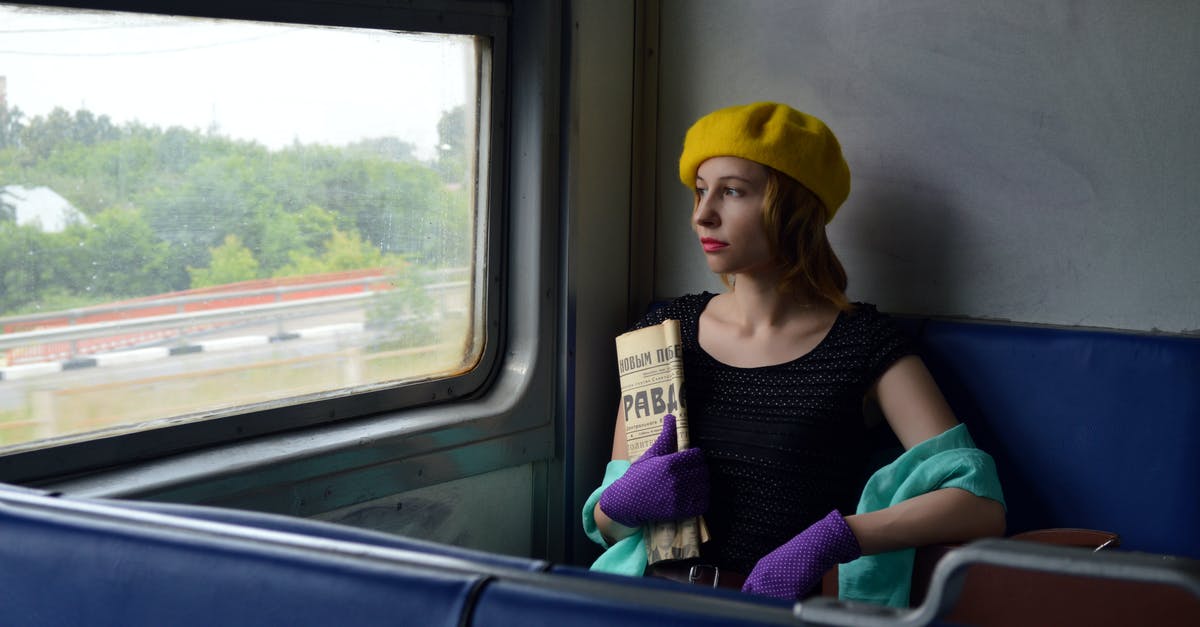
x: 704, y: 215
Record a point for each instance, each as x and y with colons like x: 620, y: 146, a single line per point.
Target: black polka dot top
x: 786, y: 443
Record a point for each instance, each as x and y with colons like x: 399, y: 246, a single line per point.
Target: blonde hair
x: 794, y: 220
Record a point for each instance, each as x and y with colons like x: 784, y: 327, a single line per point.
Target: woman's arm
x: 612, y: 530
x: 917, y: 411
x: 943, y: 516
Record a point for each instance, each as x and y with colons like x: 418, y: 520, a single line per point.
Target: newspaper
x: 650, y: 362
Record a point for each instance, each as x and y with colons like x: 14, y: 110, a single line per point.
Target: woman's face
x: 728, y: 215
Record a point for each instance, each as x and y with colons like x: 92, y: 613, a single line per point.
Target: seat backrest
x: 290, y: 524
x: 581, y: 598
x: 1088, y: 428
x: 90, y: 564
x: 82, y: 561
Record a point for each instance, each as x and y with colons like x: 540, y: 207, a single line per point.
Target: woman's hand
x: 799, y: 564
x: 661, y: 485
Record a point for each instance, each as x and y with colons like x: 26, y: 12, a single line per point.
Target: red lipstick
x: 711, y: 244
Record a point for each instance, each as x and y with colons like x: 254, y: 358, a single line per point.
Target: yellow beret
x: 775, y: 135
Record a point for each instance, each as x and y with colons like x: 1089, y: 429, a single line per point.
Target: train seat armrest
x: 1044, y: 584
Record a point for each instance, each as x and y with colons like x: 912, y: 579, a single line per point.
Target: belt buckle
x: 694, y: 573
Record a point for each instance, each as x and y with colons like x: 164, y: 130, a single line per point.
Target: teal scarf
x: 949, y: 460
x: 628, y: 555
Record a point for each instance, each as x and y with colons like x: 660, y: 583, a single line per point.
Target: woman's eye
x: 700, y: 191
x: 733, y: 191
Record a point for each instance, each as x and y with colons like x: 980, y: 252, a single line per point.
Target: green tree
x: 232, y: 262
x: 124, y: 256
x: 88, y: 129
x: 453, y: 146
x: 33, y: 266
x: 348, y: 251
x: 343, y: 251
x: 402, y: 316
x: 390, y: 148
x: 163, y: 202
x: 449, y: 234
x: 11, y: 125
x: 387, y: 202
x: 44, y: 135
x: 222, y: 195
x: 288, y: 235
x: 8, y: 210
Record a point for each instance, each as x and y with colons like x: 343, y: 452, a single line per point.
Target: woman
x: 779, y: 369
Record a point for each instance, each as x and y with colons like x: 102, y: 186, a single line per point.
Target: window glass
x: 203, y: 217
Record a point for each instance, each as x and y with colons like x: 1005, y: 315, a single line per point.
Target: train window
x: 207, y: 218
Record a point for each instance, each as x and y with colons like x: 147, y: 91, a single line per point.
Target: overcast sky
x: 271, y: 83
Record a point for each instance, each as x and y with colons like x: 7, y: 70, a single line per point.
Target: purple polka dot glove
x: 661, y: 485
x: 799, y: 564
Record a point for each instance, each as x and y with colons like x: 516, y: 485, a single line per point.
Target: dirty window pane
x: 203, y: 217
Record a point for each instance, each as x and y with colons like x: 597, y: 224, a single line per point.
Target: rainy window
x: 200, y: 217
